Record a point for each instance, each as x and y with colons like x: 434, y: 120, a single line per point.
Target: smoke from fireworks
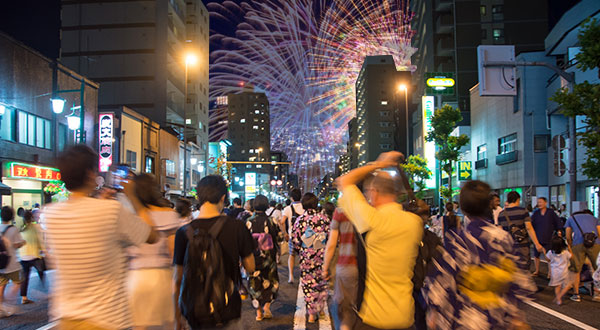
x: 306, y: 55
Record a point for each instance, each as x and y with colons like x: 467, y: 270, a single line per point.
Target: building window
x: 483, y: 33
x: 482, y: 152
x: 131, y: 159
x: 243, y: 120
x: 7, y: 124
x: 384, y: 124
x: 256, y: 120
x: 384, y: 113
x: 251, y: 151
x: 498, y: 12
x: 255, y: 127
x: 257, y: 111
x: 498, y: 35
x: 243, y: 151
x: 63, y: 137
x: 385, y: 146
x: 385, y: 135
x: 384, y: 102
x: 483, y: 10
x: 149, y: 164
x: 170, y: 169
x: 507, y: 144
x: 34, y: 131
x: 540, y: 143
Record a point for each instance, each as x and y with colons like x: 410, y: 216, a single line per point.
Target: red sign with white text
x: 26, y: 171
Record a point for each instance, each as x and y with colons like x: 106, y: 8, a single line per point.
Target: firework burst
x: 306, y: 55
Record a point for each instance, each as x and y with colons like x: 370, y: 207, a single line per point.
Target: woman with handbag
x: 31, y: 253
x: 264, y: 282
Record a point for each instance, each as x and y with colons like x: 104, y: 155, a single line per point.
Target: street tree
x: 584, y: 99
x: 443, y: 122
x: 417, y: 172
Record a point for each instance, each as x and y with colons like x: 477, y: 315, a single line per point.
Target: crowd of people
x: 130, y: 258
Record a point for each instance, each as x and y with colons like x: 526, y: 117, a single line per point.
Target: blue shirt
x: 545, y: 225
x: 588, y: 224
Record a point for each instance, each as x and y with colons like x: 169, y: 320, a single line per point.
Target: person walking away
x: 582, y: 230
x: 264, y: 282
x: 475, y: 284
x: 290, y: 215
x: 87, y: 238
x: 309, y: 239
x: 495, y: 208
x: 150, y: 273
x: 515, y: 220
x: 11, y: 271
x: 450, y: 222
x: 31, y: 253
x: 237, y: 208
x: 545, y: 224
x: 274, y: 212
x: 206, y: 258
x: 183, y: 207
x: 392, y: 243
x: 248, y: 211
x: 346, y: 270
x: 559, y: 257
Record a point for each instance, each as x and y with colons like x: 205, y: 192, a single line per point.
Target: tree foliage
x: 417, y: 172
x: 443, y: 123
x: 589, y: 40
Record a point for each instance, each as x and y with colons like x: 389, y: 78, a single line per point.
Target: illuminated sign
x: 428, y: 147
x: 26, y: 171
x: 213, y: 155
x: 440, y: 82
x: 250, y: 179
x: 464, y: 171
x: 105, y: 141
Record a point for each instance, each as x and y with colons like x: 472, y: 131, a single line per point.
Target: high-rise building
x: 137, y: 51
x: 381, y: 110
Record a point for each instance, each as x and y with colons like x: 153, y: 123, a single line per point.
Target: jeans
x: 27, y: 264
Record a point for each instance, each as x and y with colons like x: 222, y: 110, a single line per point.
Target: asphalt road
x: 587, y: 312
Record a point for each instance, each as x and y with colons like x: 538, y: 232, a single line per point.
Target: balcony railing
x: 506, y: 158
x: 482, y: 163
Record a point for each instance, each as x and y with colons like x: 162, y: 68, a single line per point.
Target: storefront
x: 27, y: 183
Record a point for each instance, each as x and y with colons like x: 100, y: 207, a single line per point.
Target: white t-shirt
x: 274, y: 213
x: 287, y: 213
x: 11, y: 237
x: 87, y: 238
x: 157, y: 255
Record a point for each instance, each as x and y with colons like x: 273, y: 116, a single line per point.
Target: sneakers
x: 576, y: 298
x: 596, y: 296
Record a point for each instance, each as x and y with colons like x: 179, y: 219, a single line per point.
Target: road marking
x: 48, y: 326
x: 560, y: 316
x: 300, y: 315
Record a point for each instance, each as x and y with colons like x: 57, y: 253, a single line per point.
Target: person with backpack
x: 264, y: 282
x: 290, y: 215
x: 206, y: 259
x: 392, y: 241
x: 309, y: 239
x: 582, y: 230
x: 10, y: 270
x: 31, y: 253
x: 475, y: 283
x: 150, y: 273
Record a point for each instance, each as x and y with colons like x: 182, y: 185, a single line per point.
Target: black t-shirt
x: 236, y: 242
x: 235, y: 212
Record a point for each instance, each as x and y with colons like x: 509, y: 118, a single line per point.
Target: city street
x: 542, y: 314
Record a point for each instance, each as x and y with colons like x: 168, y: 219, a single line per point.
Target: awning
x: 4, y: 189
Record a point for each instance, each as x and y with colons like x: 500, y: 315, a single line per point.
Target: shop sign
x: 26, y: 171
x: 428, y: 147
x: 440, y: 82
x: 464, y: 171
x: 105, y: 138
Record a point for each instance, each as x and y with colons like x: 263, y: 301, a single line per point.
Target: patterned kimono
x: 264, y: 283
x: 309, y: 239
x: 476, y: 283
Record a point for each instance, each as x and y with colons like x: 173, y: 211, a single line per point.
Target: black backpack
x: 205, y: 290
x: 429, y: 250
x: 4, y: 254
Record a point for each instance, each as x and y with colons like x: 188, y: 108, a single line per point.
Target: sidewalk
x: 31, y: 316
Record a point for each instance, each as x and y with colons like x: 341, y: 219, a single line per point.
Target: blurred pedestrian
x: 11, y: 272
x: 450, y: 221
x: 248, y: 211
x: 150, y: 273
x: 86, y: 238
x: 264, y: 282
x: 475, y: 284
x: 184, y: 208
x: 545, y: 224
x: 495, y: 207
x: 560, y: 258
x: 391, y: 244
x: 237, y: 208
x: 328, y: 210
x: 309, y: 239
x: 273, y: 212
x: 290, y: 214
x: 31, y: 253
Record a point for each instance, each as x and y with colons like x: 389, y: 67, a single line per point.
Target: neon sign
x: 440, y: 82
x: 428, y: 147
x: 26, y: 171
x: 105, y: 138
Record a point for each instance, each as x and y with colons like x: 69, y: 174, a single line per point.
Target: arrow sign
x: 464, y: 171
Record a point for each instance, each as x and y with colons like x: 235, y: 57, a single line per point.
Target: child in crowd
x: 560, y: 278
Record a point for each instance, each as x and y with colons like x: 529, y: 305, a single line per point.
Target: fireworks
x: 306, y: 55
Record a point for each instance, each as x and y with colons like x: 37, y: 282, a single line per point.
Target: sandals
x: 267, y: 315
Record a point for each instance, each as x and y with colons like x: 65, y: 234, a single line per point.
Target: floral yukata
x: 309, y: 239
x: 264, y: 282
x: 476, y: 283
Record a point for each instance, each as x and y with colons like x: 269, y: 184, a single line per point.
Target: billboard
x: 105, y: 141
x: 428, y: 147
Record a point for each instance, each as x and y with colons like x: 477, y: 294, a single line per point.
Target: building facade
x: 381, y: 109
x: 31, y: 133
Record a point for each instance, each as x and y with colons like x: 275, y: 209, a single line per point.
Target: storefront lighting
x: 194, y: 161
x: 73, y: 121
x: 58, y: 104
x: 2, y: 109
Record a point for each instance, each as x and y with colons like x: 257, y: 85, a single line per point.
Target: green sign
x: 439, y: 83
x: 464, y: 171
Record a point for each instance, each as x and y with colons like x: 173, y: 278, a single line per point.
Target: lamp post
x: 403, y: 87
x: 190, y: 59
x: 58, y: 105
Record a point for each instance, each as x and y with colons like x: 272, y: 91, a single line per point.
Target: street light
x: 190, y: 59
x: 58, y: 104
x: 403, y: 87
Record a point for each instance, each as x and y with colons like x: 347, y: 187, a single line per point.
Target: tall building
x: 448, y: 33
x: 137, y: 51
x: 353, y: 143
x: 381, y: 109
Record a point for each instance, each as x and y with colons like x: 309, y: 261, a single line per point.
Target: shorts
x: 151, y: 296
x: 579, y: 254
x: 346, y: 288
x: 15, y: 277
x: 546, y: 246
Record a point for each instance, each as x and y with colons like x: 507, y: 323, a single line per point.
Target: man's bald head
x: 382, y: 182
